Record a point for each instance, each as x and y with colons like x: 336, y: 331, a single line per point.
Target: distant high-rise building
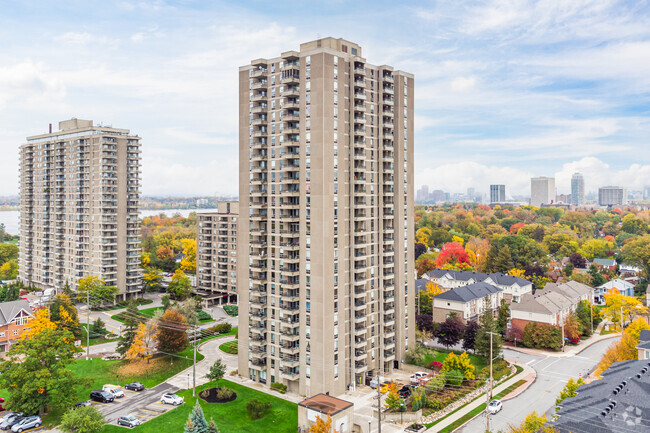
x: 612, y: 196
x: 497, y: 193
x: 542, y: 190
x: 326, y: 293
x: 438, y: 195
x: 471, y: 194
x: 79, y: 199
x: 646, y: 193
x: 577, y: 189
x: 216, y: 253
x: 423, y: 193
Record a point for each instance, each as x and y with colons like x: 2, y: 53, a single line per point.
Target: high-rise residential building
x: 79, y: 199
x: 497, y: 193
x: 577, y: 189
x: 471, y: 194
x: 326, y: 200
x: 542, y: 191
x: 612, y: 196
x: 438, y: 195
x: 423, y: 193
x: 216, y: 254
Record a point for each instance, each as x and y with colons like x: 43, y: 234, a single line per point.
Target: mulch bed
x: 212, y: 396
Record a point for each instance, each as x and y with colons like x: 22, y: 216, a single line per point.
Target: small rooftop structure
x: 321, y: 405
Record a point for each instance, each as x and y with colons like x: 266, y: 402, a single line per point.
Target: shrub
x: 224, y: 393
x: 280, y: 387
x: 232, y: 310
x: 257, y: 409
x: 461, y: 363
x: 205, y: 393
x: 435, y: 365
x: 419, y: 399
x: 434, y: 403
x: 542, y: 335
x: 417, y: 355
x: 202, y: 315
x: 454, y: 377
x: 221, y: 328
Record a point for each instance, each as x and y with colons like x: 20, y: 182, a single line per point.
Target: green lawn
x: 440, y: 355
x: 149, y: 312
x: 229, y: 347
x: 230, y: 417
x: 94, y: 341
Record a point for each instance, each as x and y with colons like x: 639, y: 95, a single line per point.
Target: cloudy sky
x: 505, y: 90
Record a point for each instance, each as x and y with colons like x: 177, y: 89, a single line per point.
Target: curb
x: 534, y: 352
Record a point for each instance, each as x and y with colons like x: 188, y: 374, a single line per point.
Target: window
x: 15, y: 332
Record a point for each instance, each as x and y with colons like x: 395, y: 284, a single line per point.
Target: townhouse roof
x: 616, y: 403
x: 605, y: 262
x: 644, y: 335
x: 508, y: 280
x: 421, y: 284
x: 553, y: 298
x: 617, y: 284
x: 571, y: 289
x: 469, y: 292
x: 498, y: 278
x: 9, y: 310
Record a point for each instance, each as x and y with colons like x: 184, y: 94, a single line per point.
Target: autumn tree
x: 632, y: 224
x: 322, y: 425
x: 41, y: 322
x: 189, y: 308
x: 615, y: 303
x: 578, y: 261
x: 95, y: 290
x: 420, y: 249
x: 9, y: 270
x: 172, y: 332
x: 188, y: 263
x: 180, y: 286
x: 625, y: 349
x: 152, y: 279
x: 393, y: 400
x: 424, y: 264
x: 132, y: 319
x: 423, y: 302
x: 452, y: 256
x: 462, y: 363
x: 533, y: 423
x: 477, y: 251
x: 36, y: 373
x: 144, y: 342
x: 637, y: 252
x: 434, y: 289
x: 569, y: 390
x: 450, y: 332
x: 572, y: 328
x: 64, y: 315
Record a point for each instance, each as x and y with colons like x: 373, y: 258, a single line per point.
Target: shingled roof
x: 9, y: 310
x: 469, y: 292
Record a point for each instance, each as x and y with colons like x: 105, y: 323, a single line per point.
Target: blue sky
x: 505, y: 90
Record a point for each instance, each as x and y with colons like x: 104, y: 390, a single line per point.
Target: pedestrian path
x: 525, y: 373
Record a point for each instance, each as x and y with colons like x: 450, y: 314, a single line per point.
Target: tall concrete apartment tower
x: 79, y: 198
x: 577, y: 189
x: 216, y: 254
x: 542, y: 191
x: 326, y: 218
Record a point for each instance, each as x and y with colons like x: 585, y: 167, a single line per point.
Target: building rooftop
x: 605, y: 262
x: 9, y: 310
x: 469, y: 292
x: 325, y: 404
x: 498, y: 278
x: 617, y: 403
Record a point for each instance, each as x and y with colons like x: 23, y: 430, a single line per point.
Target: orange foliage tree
x: 453, y: 254
x: 323, y: 425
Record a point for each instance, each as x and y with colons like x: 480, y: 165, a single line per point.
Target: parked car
x: 81, y: 404
x: 7, y: 421
x: 101, y: 396
x: 128, y: 420
x: 113, y: 389
x: 415, y: 378
x: 27, y: 423
x: 134, y: 386
x: 495, y: 406
x: 172, y: 399
x: 406, y: 390
x: 383, y: 387
x: 374, y: 382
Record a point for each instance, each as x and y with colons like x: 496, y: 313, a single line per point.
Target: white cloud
x: 463, y: 84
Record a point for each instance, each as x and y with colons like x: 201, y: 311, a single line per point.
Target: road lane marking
x: 145, y: 416
x: 159, y: 405
x: 103, y: 404
x: 147, y: 410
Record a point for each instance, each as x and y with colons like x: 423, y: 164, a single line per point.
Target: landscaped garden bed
x: 218, y: 395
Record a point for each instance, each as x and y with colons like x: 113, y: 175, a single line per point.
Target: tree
x: 477, y: 251
x: 145, y: 260
x: 419, y: 396
x: 450, y: 331
x: 524, y: 251
x: 172, y: 332
x: 482, y: 341
x: 583, y: 314
x: 188, y: 263
x: 424, y: 322
x: 322, y: 425
x: 8, y: 252
x: 632, y: 224
x: 615, y: 303
x: 569, y: 390
x: 424, y: 302
x: 94, y: 289
x: 470, y: 335
x: 196, y: 422
x: 64, y: 315
x: 131, y: 322
x: 212, y: 427
x: 572, y: 328
x: 180, y: 286
x: 144, y: 342
x: 460, y: 363
x: 40, y: 323
x: 393, y: 400
x: 189, y: 308
x: 152, y: 279
x: 533, y: 423
x: 637, y: 252
x: 501, y: 262
x: 166, y: 302
x: 625, y: 349
x: 503, y: 316
x: 420, y: 249
x: 84, y: 419
x: 578, y: 261
x: 453, y: 255
x: 434, y: 289
x: 9, y: 270
x: 424, y: 264
x: 36, y: 374
x: 98, y: 327
x: 217, y: 371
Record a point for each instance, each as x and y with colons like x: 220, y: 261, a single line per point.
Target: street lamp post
x: 188, y: 380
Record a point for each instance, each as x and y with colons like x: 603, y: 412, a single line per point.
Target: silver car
x: 27, y: 423
x: 7, y: 421
x: 128, y: 420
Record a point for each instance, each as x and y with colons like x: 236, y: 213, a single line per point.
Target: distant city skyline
x: 506, y: 91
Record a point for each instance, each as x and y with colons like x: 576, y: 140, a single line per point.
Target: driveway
x: 552, y: 374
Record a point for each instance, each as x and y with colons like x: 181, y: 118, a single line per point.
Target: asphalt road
x: 552, y: 375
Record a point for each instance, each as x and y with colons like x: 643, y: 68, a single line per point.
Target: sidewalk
x: 569, y: 351
x: 528, y: 373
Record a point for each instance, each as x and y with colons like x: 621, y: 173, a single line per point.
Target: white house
x: 468, y: 302
x: 513, y: 287
x: 624, y: 288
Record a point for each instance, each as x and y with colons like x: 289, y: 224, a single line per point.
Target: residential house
x: 550, y: 305
x: 616, y: 403
x: 644, y: 344
x: 14, y: 316
x: 468, y: 302
x: 513, y: 287
x: 623, y: 287
x: 606, y: 264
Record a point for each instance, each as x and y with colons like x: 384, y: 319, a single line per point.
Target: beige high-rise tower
x: 326, y: 218
x: 79, y: 198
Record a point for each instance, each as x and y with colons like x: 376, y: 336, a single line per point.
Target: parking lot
x: 144, y: 405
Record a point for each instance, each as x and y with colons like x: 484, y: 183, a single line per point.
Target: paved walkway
x: 524, y: 375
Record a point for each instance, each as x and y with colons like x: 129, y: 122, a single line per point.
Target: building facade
x: 542, y: 191
x: 612, y: 196
x: 216, y: 254
x: 497, y: 193
x: 577, y: 189
x: 15, y: 317
x: 326, y: 198
x: 79, y: 196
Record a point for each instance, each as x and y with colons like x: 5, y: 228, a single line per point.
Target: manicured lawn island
x: 229, y: 347
x: 231, y: 417
x: 149, y: 312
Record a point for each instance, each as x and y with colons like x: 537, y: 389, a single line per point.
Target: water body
x: 11, y: 218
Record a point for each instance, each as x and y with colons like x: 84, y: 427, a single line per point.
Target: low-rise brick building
x: 14, y: 319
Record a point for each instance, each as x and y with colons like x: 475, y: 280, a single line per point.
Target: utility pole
x: 489, y: 394
x: 621, y: 318
x: 378, y: 403
x: 87, y: 324
x: 194, y: 366
x: 591, y: 311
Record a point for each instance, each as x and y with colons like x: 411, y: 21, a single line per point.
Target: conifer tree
x: 131, y: 322
x: 196, y: 422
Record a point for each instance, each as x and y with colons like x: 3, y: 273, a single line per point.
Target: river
x: 11, y: 218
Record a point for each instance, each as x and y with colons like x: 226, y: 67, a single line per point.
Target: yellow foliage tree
x: 458, y: 239
x: 615, y: 303
x: 625, y: 349
x: 434, y: 289
x: 514, y: 272
x: 422, y: 235
x: 461, y: 363
x: 144, y: 342
x: 323, y: 425
x: 145, y: 260
x: 188, y: 264
x: 40, y: 323
x: 532, y: 424
x: 477, y: 251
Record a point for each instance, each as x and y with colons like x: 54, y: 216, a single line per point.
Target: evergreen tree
x: 131, y: 322
x: 67, y: 290
x: 196, y: 422
x: 212, y: 427
x: 482, y: 341
x: 491, y: 259
x: 503, y: 261
x: 502, y: 319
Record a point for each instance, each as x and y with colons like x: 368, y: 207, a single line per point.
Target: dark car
x: 101, y: 396
x: 81, y: 404
x: 9, y: 420
x: 134, y: 386
x: 405, y: 391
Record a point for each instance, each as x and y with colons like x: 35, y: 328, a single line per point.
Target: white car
x: 172, y: 399
x: 415, y: 378
x: 494, y: 407
x: 113, y: 389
